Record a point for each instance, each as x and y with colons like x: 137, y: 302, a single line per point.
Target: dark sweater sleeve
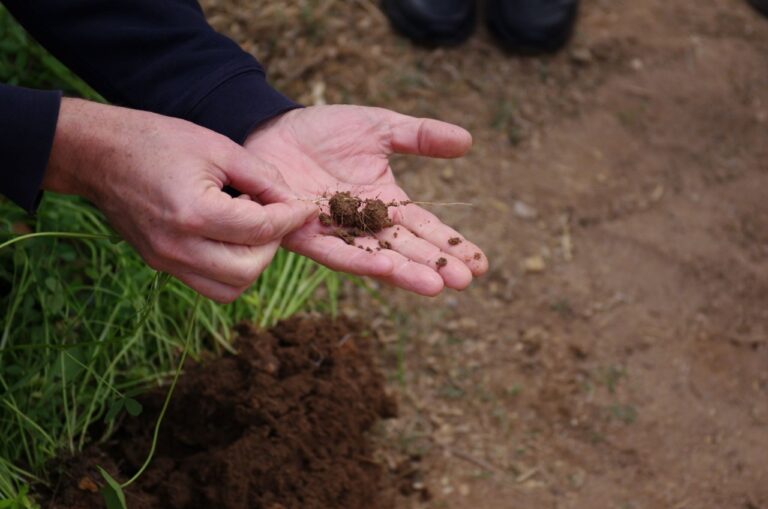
x: 27, y: 125
x: 156, y: 55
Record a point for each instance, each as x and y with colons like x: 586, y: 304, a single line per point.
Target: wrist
x: 270, y: 124
x: 79, y: 144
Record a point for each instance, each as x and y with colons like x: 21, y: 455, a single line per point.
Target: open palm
x: 325, y: 149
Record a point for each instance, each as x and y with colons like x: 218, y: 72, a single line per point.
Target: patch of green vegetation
x: 624, y: 413
x: 513, y: 390
x: 632, y: 118
x: 611, y: 376
x: 313, y: 20
x: 506, y: 120
x: 453, y: 340
x: 562, y: 307
x: 450, y: 391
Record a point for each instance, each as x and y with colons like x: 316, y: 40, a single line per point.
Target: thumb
x: 426, y: 136
x: 242, y: 221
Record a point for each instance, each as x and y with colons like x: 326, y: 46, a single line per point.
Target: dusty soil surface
x: 282, y: 425
x: 617, y: 353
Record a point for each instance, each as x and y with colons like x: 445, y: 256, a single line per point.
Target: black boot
x: 432, y: 22
x: 760, y: 5
x: 532, y: 26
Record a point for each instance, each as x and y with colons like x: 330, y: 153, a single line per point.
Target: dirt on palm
x: 362, y: 216
x: 282, y: 425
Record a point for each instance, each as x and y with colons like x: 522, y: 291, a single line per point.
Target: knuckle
x: 265, y: 230
x: 188, y: 218
x: 165, y: 250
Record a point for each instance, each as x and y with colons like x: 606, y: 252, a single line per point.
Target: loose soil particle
x: 344, y: 235
x: 325, y: 219
x: 282, y: 424
x: 454, y: 241
x: 441, y: 262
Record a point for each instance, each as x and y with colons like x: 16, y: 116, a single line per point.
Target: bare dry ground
x: 616, y: 356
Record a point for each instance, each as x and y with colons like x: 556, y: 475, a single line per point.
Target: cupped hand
x: 326, y: 149
x: 159, y: 182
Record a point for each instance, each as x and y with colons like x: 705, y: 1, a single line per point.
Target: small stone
x: 657, y: 193
x: 87, y: 484
x: 524, y: 211
x: 581, y: 56
x: 534, y: 264
x: 464, y: 490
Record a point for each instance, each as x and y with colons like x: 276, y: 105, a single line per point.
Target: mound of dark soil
x: 282, y: 425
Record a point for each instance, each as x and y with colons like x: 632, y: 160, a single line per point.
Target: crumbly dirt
x: 631, y: 371
x: 284, y: 424
x: 345, y: 210
x: 356, y: 217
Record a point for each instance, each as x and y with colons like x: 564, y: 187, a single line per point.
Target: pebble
x: 581, y: 56
x: 534, y: 264
x: 524, y: 211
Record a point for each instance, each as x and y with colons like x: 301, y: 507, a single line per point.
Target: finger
x: 429, y: 227
x: 210, y: 288
x: 229, y: 264
x: 243, y: 221
x: 427, y: 137
x: 256, y: 178
x: 454, y: 272
x: 335, y: 254
x: 406, y: 274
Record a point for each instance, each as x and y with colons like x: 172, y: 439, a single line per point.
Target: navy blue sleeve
x: 156, y: 55
x: 27, y: 125
x: 153, y: 55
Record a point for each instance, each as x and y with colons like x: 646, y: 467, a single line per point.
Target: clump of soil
x: 441, y: 262
x: 356, y: 217
x: 375, y: 216
x: 345, y: 210
x: 282, y: 425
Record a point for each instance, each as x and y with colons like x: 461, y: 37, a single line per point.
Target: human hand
x: 159, y: 182
x: 325, y: 149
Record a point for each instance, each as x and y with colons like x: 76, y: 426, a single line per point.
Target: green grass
x: 86, y: 325
x: 25, y: 63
